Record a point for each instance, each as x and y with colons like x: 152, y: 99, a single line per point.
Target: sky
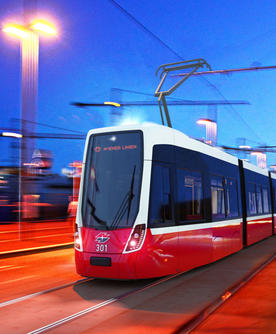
x: 99, y: 47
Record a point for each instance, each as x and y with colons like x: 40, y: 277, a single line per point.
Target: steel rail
x: 204, y: 314
x: 43, y: 292
x: 101, y: 305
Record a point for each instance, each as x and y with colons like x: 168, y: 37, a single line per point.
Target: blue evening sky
x: 98, y: 48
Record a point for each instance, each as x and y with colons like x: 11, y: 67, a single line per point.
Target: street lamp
x: 29, y: 38
x: 211, y: 130
x: 22, y: 30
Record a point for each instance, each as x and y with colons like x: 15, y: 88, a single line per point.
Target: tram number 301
x: 101, y: 248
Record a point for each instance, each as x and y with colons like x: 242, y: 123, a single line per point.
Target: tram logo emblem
x: 97, y: 149
x: 102, y: 237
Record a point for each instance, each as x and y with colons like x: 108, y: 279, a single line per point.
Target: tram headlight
x: 133, y: 243
x: 136, y: 238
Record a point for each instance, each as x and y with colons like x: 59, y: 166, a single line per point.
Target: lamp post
x: 211, y: 130
x: 16, y: 135
x: 29, y: 38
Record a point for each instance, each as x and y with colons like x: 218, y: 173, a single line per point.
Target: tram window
x: 259, y: 199
x: 265, y: 200
x: 161, y: 210
x: 189, y: 195
x: 251, y: 199
x: 231, y: 196
x: 218, y: 200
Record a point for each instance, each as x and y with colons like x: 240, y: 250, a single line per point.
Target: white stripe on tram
x: 195, y: 227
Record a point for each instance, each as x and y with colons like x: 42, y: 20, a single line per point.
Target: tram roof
x: 159, y: 134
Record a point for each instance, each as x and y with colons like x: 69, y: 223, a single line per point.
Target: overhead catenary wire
x: 254, y: 68
x: 145, y: 94
x: 47, y: 125
x: 142, y: 26
x: 153, y: 35
x: 155, y: 103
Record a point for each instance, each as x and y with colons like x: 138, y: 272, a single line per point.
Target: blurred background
x: 58, y: 54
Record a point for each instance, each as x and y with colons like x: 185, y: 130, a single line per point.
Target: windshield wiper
x: 131, y: 195
x: 98, y: 220
x: 126, y: 203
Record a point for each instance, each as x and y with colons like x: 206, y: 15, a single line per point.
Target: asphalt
x: 37, y: 236
x: 242, y: 290
x: 252, y: 309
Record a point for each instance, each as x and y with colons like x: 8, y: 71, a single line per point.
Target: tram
x: 155, y: 202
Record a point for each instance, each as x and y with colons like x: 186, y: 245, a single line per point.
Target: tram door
x: 164, y: 241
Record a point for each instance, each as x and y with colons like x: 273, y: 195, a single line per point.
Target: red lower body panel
x: 157, y: 257
x: 165, y: 250
x: 258, y: 229
x: 195, y: 248
x: 122, y: 266
x: 227, y: 239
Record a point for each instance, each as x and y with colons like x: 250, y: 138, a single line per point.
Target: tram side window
x: 259, y: 199
x: 265, y: 200
x: 189, y: 196
x: 231, y: 192
x: 160, y: 208
x: 251, y: 199
x: 218, y: 200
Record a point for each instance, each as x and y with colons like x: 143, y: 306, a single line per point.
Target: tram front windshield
x: 112, y: 181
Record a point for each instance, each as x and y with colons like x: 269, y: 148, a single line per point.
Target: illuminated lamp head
x: 16, y: 30
x: 44, y: 27
x: 130, y: 121
x: 204, y: 121
x: 133, y: 243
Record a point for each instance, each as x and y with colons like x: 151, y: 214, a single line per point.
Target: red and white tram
x: 155, y: 202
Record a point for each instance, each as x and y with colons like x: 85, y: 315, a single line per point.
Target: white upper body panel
x: 253, y: 168
x: 155, y: 134
x: 273, y: 176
